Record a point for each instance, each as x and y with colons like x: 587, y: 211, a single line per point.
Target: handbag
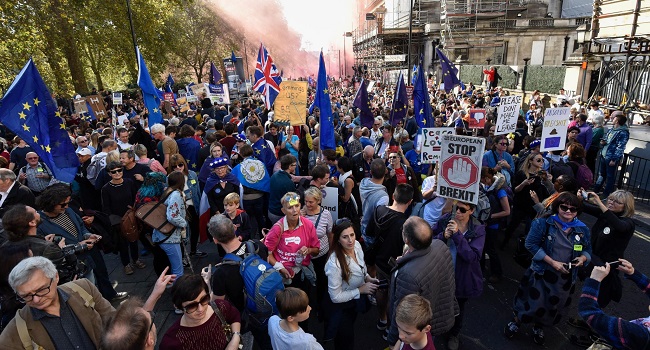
x: 130, y: 226
x: 154, y: 214
x: 226, y: 326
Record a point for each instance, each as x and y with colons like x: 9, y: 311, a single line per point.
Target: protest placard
x: 97, y: 104
x: 460, y: 167
x: 290, y: 104
x: 117, y: 98
x: 477, y: 118
x: 331, y: 201
x: 191, y: 97
x: 80, y: 106
x: 220, y: 94
x: 507, y: 114
x: 199, y: 89
x: 431, y: 143
x: 409, y: 93
x: 183, y: 106
x: 554, y: 130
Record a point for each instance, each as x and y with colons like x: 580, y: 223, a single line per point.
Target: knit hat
x: 240, y: 138
x: 219, y: 162
x: 535, y: 144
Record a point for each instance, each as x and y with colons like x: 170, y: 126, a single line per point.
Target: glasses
x: 614, y: 201
x: 64, y: 204
x: 181, y: 165
x: 376, y: 124
x: 566, y: 208
x: 39, y: 293
x: 392, y: 157
x: 503, y: 143
x: 462, y: 210
x: 152, y: 315
x: 116, y: 171
x: 32, y: 158
x: 288, y: 198
x: 539, y: 160
x: 83, y: 141
x: 193, y: 306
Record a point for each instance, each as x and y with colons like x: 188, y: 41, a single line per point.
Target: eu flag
x: 169, y: 84
x: 421, y: 105
x: 361, y: 101
x: 233, y: 58
x: 400, y: 102
x: 323, y: 102
x: 449, y: 72
x: 149, y: 92
x: 91, y: 113
x: 415, y: 74
x: 215, y: 76
x: 28, y: 110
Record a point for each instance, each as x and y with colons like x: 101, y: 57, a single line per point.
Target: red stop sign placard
x: 453, y: 164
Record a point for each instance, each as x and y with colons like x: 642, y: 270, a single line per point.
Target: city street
x: 485, y: 319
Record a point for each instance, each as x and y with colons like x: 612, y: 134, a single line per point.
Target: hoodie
x: 386, y: 227
x: 372, y: 195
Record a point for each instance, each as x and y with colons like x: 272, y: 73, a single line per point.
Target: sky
x: 320, y: 22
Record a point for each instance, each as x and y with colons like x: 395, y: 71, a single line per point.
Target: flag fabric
x: 324, y: 104
x: 28, y: 110
x: 169, y: 84
x: 267, y: 77
x: 400, y: 102
x: 415, y: 74
x: 421, y: 105
x: 449, y: 72
x: 362, y: 102
x: 91, y: 113
x: 252, y: 173
x: 149, y: 92
x: 233, y: 58
x: 310, y: 81
x: 97, y: 109
x: 215, y: 76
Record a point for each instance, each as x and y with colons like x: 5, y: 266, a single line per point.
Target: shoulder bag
x: 154, y: 214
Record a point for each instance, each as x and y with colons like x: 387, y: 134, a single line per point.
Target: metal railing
x: 633, y: 177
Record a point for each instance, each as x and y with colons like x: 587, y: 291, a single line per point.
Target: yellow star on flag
x: 35, y: 139
x: 257, y: 151
x: 156, y: 110
x: 62, y: 125
x: 36, y: 101
x: 26, y: 106
x: 58, y: 114
x: 325, y: 91
x: 47, y: 149
x: 22, y: 115
x: 25, y: 127
x: 193, y: 165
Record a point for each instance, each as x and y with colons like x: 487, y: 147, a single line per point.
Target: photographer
x: 21, y: 222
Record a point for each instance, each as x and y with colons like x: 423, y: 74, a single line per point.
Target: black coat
x: 19, y: 194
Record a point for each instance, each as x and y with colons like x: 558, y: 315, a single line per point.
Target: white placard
x: 554, y: 131
x: 331, y: 201
x: 117, y: 98
x: 432, y: 143
x: 460, y: 167
x: 507, y: 114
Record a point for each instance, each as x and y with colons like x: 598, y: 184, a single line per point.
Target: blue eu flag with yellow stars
x: 421, y: 105
x: 324, y: 104
x: 28, y: 110
x: 449, y: 72
x: 362, y: 102
x: 150, y: 93
x: 400, y: 102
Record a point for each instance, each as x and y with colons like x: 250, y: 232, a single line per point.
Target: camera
x: 72, y: 249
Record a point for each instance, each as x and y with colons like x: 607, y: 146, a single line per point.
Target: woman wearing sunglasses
x: 559, y: 243
x: 465, y: 236
x: 204, y: 324
x: 192, y: 199
x: 499, y: 159
x: 348, y: 283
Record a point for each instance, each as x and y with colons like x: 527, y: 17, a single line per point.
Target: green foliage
x: 547, y: 79
x: 506, y: 76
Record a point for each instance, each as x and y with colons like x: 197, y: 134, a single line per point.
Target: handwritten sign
x: 432, y: 143
x: 507, y: 114
x: 290, y: 104
x: 554, y: 130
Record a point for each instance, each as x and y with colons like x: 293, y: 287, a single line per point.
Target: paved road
x: 486, y: 316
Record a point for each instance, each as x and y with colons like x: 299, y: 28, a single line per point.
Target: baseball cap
x: 84, y: 152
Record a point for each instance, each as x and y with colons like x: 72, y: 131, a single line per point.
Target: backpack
x: 95, y: 167
x: 261, y: 282
x: 418, y: 208
x: 584, y: 176
x: 483, y: 209
x: 560, y: 168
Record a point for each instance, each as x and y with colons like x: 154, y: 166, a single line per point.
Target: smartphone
x: 614, y: 264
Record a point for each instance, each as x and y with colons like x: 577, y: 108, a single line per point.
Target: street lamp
x: 523, y: 80
x: 345, y: 61
x: 488, y: 60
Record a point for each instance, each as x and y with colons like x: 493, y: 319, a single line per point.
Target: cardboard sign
x: 169, y: 97
x: 220, y: 94
x: 117, y: 98
x: 199, y: 89
x: 507, y: 114
x: 331, y: 201
x: 555, y: 130
x: 460, y: 167
x: 182, y: 104
x: 371, y: 84
x: 290, y: 104
x: 80, y: 106
x: 477, y: 118
x: 97, y: 104
x: 432, y: 143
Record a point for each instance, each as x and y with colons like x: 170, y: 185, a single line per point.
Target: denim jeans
x: 607, y: 172
x: 173, y: 251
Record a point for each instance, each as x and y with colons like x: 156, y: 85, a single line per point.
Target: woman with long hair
x: 348, y: 190
x: 559, y: 243
x: 151, y: 190
x: 216, y: 151
x: 174, y: 199
x: 192, y: 200
x: 348, y: 283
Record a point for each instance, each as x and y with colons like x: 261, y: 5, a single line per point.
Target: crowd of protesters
x: 420, y: 258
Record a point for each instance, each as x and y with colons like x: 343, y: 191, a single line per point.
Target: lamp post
x: 345, y: 61
x: 523, y: 80
x: 583, y: 37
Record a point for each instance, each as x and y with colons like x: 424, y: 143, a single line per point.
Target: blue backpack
x: 261, y: 282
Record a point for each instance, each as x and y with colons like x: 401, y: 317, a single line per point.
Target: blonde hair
x: 231, y: 198
x: 113, y: 156
x: 414, y: 310
x: 627, y: 199
x: 314, y: 193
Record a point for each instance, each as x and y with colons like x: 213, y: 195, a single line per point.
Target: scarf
x: 565, y: 225
x: 214, y: 179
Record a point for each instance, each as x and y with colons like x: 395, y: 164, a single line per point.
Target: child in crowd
x: 238, y: 217
x: 412, y: 316
x: 285, y: 332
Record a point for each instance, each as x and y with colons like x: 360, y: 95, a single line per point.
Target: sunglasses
x: 64, y: 204
x: 288, y: 198
x: 181, y: 165
x: 393, y: 157
x: 503, y: 143
x: 116, y: 171
x: 539, y: 160
x: 83, y: 140
x: 193, y: 306
x: 566, y: 208
x: 462, y: 210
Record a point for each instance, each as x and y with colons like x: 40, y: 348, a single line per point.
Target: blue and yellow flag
x: 324, y: 104
x: 28, y: 110
x: 150, y: 94
x: 449, y: 72
x: 400, y: 102
x: 362, y: 102
x: 421, y: 105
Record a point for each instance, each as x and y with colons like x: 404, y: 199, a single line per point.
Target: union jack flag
x: 267, y: 77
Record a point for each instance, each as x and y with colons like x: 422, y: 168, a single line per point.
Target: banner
x: 117, y: 98
x: 371, y: 84
x: 507, y: 114
x: 220, y: 94
x: 409, y: 93
x: 556, y: 121
x: 199, y: 89
x: 191, y: 97
x: 290, y: 104
x: 331, y: 201
x: 80, y: 106
x: 460, y: 167
x: 183, y: 105
x: 432, y: 143
x: 477, y: 118
x: 97, y: 104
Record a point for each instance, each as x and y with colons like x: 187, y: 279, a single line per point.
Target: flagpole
x: 246, y: 58
x: 408, y: 56
x: 128, y: 9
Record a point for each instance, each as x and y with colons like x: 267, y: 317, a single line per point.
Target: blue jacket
x: 193, y: 190
x: 47, y: 227
x: 616, y: 139
x: 540, y: 242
